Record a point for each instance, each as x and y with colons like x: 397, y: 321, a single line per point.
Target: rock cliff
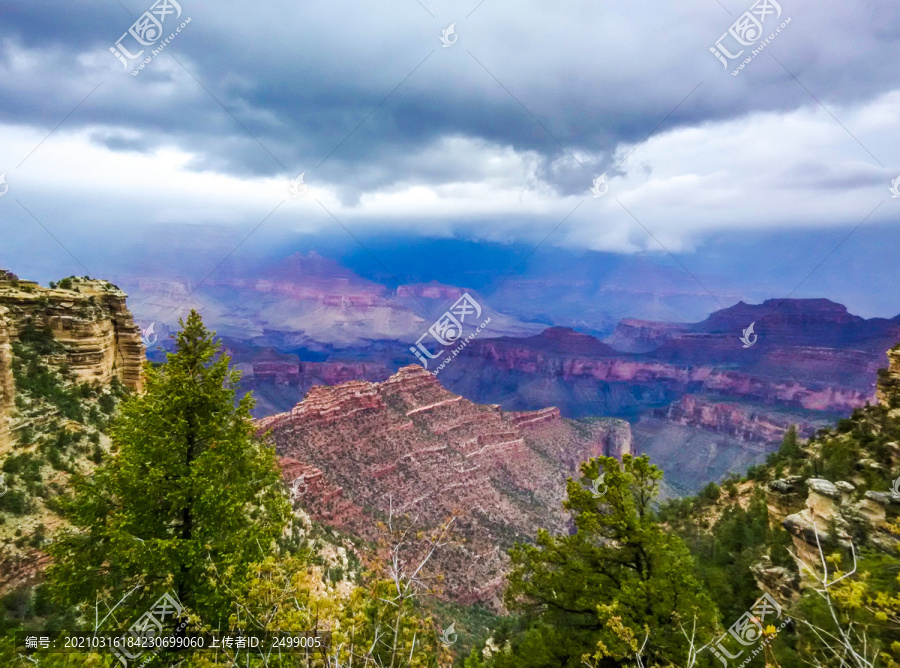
x: 889, y: 379
x: 828, y: 514
x: 818, y: 512
x: 749, y: 423
x: 88, y: 318
x: 409, y: 445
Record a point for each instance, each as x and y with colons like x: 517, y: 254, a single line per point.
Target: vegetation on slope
x: 60, y: 424
x: 190, y: 504
x: 182, y: 498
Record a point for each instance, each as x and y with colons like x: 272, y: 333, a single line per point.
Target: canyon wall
x: 492, y: 356
x: 90, y: 321
x: 409, y: 446
x: 747, y: 422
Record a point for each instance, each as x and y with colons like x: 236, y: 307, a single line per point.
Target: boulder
x: 823, y: 499
x: 779, y: 582
x: 784, y: 497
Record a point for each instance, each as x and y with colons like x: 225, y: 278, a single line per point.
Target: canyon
x: 694, y: 386
x: 361, y: 452
x: 308, y: 321
x: 681, y: 385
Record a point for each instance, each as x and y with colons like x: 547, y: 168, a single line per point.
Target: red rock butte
x: 409, y: 444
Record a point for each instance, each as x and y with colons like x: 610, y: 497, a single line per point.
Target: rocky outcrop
x: 309, y: 488
x: 280, y: 380
x: 779, y: 582
x: 822, y: 515
x: 91, y: 322
x: 889, y: 379
x: 819, y: 523
x: 784, y: 497
x: 7, y: 384
x: 817, y: 512
x: 409, y: 446
x: 334, y: 373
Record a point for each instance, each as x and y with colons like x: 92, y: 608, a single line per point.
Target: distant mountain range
x: 693, y: 388
x: 309, y: 321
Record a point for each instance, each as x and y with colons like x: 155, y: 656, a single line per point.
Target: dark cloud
x: 299, y: 77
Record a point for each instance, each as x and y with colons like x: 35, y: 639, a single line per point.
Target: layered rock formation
x: 693, y: 386
x: 642, y: 336
x: 90, y: 320
x: 598, y: 372
x: 279, y: 380
x: 750, y: 423
x: 310, y: 488
x: 409, y: 445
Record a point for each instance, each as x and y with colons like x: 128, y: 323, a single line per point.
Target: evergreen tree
x: 594, y: 595
x: 189, y: 499
x: 790, y: 444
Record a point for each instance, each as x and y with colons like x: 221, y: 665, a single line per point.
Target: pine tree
x: 187, y: 502
x: 790, y: 445
x: 594, y: 595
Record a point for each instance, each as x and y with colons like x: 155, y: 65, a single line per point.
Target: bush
x: 25, y: 467
x: 731, y: 488
x: 107, y: 403
x: 710, y: 493
x: 37, y: 538
x: 16, y: 502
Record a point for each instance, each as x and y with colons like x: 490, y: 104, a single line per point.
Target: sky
x: 775, y: 177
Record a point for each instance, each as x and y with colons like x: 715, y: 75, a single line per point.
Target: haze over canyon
x: 700, y: 402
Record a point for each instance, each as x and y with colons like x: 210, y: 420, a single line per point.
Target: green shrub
x: 710, y: 493
x: 17, y: 502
